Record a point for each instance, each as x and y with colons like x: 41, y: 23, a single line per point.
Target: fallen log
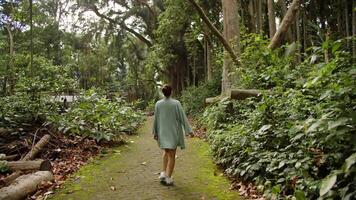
x: 37, y: 148
x: 241, y: 94
x: 41, y: 165
x: 24, y: 185
x: 10, y: 157
x: 30, y: 155
x: 237, y: 94
x: 212, y: 100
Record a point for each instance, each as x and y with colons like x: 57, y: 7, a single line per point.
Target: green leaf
x: 276, y: 189
x: 337, y: 123
x: 299, y: 195
x: 281, y: 164
x: 314, y: 126
x: 327, y: 184
x: 297, y: 165
x: 349, y: 162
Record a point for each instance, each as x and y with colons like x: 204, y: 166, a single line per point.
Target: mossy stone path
x: 130, y: 172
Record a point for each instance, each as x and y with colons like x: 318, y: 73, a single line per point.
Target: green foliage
x: 94, y: 116
x: 22, y: 110
x: 297, y: 139
x: 3, y: 166
x: 193, y: 98
x: 44, y: 77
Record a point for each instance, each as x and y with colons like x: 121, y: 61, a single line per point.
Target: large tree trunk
x: 42, y: 165
x: 25, y: 185
x: 286, y: 22
x: 231, y: 34
x: 271, y: 18
x: 289, y: 35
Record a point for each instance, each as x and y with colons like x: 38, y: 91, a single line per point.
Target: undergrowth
x: 295, y: 141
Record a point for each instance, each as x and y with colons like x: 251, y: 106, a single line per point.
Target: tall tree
x: 232, y: 35
x: 354, y: 29
x: 271, y: 18
x: 288, y: 34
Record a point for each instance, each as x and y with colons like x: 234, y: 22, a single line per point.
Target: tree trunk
x: 289, y: 35
x: 286, y: 22
x: 252, y: 19
x: 37, y: 148
x: 297, y: 28
x: 25, y: 185
x: 208, y: 59
x: 237, y: 94
x: 194, y: 72
x: 8, y: 78
x: 347, y: 23
x: 271, y: 19
x: 42, y: 165
x: 231, y: 34
x: 326, y: 51
x: 259, y: 17
x: 216, y: 32
x: 305, y: 44
x: 354, y: 30
x: 10, y: 157
x: 241, y: 94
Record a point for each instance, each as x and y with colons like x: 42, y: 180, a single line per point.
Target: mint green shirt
x: 169, y: 123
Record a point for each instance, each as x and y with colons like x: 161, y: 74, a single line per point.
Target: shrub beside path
x: 130, y: 172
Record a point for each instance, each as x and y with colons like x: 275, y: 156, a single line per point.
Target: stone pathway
x: 130, y: 172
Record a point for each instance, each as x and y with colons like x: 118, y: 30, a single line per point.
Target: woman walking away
x: 169, y: 122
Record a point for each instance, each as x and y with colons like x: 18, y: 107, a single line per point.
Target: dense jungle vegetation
x: 294, y: 137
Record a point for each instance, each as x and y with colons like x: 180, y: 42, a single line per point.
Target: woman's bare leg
x: 171, y: 161
x: 165, y: 160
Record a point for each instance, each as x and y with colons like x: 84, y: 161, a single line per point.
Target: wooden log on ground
x: 237, y: 94
x: 41, y: 165
x: 241, y: 94
x: 5, y: 131
x: 10, y: 157
x: 37, y: 148
x: 212, y: 100
x: 25, y: 185
x: 30, y: 155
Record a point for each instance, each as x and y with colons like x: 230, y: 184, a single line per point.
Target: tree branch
x: 286, y: 22
x: 215, y: 31
x: 122, y: 24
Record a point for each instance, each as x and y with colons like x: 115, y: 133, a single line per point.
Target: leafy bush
x: 21, y: 109
x: 193, y: 97
x: 94, y: 116
x: 297, y: 139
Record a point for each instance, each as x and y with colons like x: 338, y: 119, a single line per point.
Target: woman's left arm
x: 183, y: 120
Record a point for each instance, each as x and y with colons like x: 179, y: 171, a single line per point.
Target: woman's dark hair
x: 167, y: 90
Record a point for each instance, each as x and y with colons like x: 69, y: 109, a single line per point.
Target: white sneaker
x: 162, y: 176
x: 168, y: 181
